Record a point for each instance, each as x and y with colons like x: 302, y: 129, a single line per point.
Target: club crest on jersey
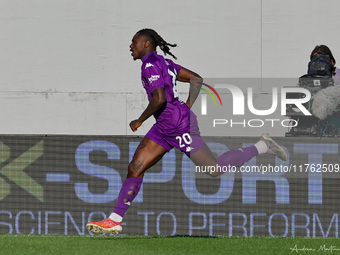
x: 148, y: 65
x: 153, y: 78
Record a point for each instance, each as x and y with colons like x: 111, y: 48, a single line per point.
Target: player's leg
x: 147, y: 154
x: 265, y: 145
x: 205, y: 158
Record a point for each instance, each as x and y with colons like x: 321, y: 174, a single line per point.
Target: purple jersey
x: 176, y: 125
x: 158, y: 72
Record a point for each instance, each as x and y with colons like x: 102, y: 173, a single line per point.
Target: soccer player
x: 176, y: 125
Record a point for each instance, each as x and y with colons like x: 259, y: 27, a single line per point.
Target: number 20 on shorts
x: 184, y: 140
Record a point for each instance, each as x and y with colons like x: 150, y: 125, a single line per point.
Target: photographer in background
x: 323, y: 50
x: 322, y: 80
x: 326, y: 101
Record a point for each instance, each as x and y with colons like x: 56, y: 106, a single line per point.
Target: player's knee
x: 134, y: 170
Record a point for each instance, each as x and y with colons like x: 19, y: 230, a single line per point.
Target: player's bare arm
x: 157, y: 101
x: 185, y: 75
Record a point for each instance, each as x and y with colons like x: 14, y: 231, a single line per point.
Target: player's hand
x: 134, y: 125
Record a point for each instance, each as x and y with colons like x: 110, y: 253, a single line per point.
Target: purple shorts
x: 187, y: 138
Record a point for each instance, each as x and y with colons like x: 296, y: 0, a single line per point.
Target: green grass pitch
x: 148, y: 245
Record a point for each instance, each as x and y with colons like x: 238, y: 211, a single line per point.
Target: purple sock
x: 128, y: 192
x: 237, y: 157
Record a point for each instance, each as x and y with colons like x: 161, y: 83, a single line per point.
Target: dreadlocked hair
x: 157, y: 40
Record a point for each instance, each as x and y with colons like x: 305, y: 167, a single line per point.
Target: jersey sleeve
x: 154, y: 77
x: 175, y: 66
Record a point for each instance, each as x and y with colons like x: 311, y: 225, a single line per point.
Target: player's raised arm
x: 185, y: 75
